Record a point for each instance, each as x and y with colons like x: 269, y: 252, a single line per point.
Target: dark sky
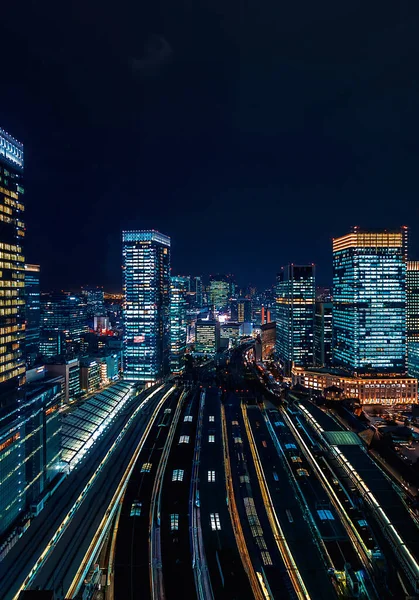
x: 251, y: 132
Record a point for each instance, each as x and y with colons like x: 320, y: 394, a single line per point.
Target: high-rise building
x: 221, y: 288
x: 178, y: 290
x: 244, y: 310
x: 265, y: 315
x: 95, y: 304
x: 197, y: 288
x: 12, y: 268
x: 369, y: 302
x: 12, y: 333
x: 69, y: 370
x: 268, y: 339
x: 295, y: 316
x: 63, y: 324
x: 207, y: 336
x: 412, y: 301
x: 146, y: 277
x: 33, y: 313
x: 323, y: 334
x: 412, y: 317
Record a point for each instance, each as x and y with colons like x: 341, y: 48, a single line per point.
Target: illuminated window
x: 174, y: 522
x: 188, y: 419
x: 184, y: 439
x: 211, y: 476
x: 211, y: 418
x: 177, y: 475
x: 215, y: 522
x: 211, y: 438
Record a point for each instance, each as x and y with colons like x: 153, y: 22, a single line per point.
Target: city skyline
x: 304, y: 141
x: 209, y: 301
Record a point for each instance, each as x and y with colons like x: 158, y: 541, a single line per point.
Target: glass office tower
x: 63, y: 324
x: 323, y: 340
x: 12, y: 265
x: 33, y: 313
x: 146, y: 280
x: 178, y: 289
x: 296, y: 293
x: 12, y: 332
x: 369, y: 302
x: 197, y: 288
x: 221, y: 288
x: 412, y: 317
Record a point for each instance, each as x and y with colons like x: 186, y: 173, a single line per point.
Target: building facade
x: 69, y: 370
x: 179, y: 287
x: 368, y: 389
x: 95, y: 303
x: 369, y: 302
x: 63, y: 324
x: 268, y: 339
x: 323, y: 338
x: 12, y: 267
x: 295, y: 316
x: 412, y: 317
x: 13, y: 409
x: 146, y: 280
x: 220, y: 291
x: 207, y: 335
x: 32, y: 313
x: 197, y: 288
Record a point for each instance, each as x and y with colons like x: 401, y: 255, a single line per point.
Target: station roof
x: 86, y: 423
x: 342, y: 438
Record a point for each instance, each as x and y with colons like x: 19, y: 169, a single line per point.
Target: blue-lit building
x: 12, y: 332
x: 295, y: 302
x: 323, y: 338
x: 369, y: 302
x: 33, y: 313
x: 146, y: 281
x: 63, y: 324
x: 412, y: 317
x: 12, y: 267
x: 178, y: 289
x: 197, y: 288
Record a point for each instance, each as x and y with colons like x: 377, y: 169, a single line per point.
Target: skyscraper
x: 207, y: 336
x: 323, y: 334
x: 244, y: 310
x: 12, y: 266
x: 295, y: 316
x: 33, y: 313
x: 146, y: 280
x: 412, y: 317
x: 369, y: 302
x: 94, y: 301
x: 197, y: 288
x: 178, y: 289
x: 63, y: 324
x: 12, y: 332
x: 221, y: 290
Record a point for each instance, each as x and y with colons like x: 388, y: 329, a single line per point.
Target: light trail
x: 113, y: 506
x: 357, y: 542
x: 199, y: 563
x: 257, y: 587
x: 65, y: 522
x: 317, y: 537
x: 155, y: 565
x: 281, y: 542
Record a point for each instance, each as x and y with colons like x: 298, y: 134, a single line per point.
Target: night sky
x: 251, y: 132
